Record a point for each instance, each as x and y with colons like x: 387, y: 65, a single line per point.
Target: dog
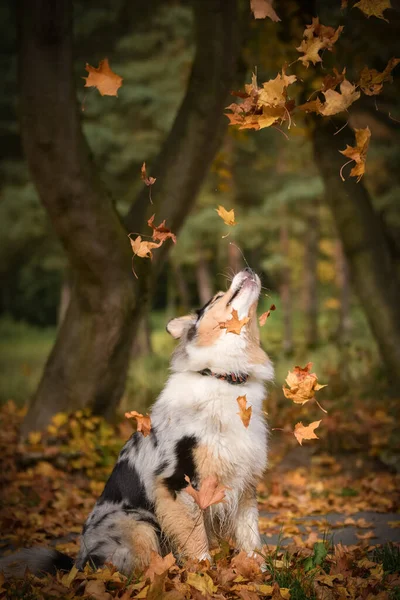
x: 196, y: 432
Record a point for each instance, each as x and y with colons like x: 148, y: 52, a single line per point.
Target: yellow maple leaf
x: 358, y: 153
x: 373, y: 8
x: 234, y: 325
x: 228, y: 216
x: 244, y: 411
x: 103, y: 78
x: 302, y: 384
x: 317, y: 37
x: 371, y: 81
x: 305, y: 432
x: 143, y: 249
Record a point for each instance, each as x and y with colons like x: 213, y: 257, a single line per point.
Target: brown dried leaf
x: 330, y: 82
x: 210, y: 492
x: 335, y: 102
x: 160, y: 232
x: 103, y: 78
x: 96, y: 590
x: 234, y: 325
x: 371, y: 81
x: 305, y: 432
x: 244, y: 411
x: 262, y: 9
x: 228, y: 216
x: 358, y: 153
x: 373, y: 8
x: 302, y: 384
x: 317, y: 37
x: 158, y: 565
x: 143, y: 175
x: 143, y: 249
x: 262, y: 320
x: 143, y: 421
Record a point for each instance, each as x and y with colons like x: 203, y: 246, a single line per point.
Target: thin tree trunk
x: 234, y: 258
x: 285, y: 288
x: 343, y: 284
x: 365, y: 246
x: 181, y: 286
x: 311, y: 277
x: 203, y: 278
x: 89, y: 360
x: 65, y: 297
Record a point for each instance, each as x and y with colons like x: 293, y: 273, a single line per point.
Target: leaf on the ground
x: 262, y: 9
x: 160, y: 232
x: 103, y: 78
x: 302, y: 384
x: 159, y: 564
x: 373, y: 8
x: 317, y: 37
x: 142, y: 248
x: 279, y: 593
x: 358, y: 153
x: 371, y: 81
x: 202, y: 582
x: 96, y: 590
x: 305, y: 432
x: 143, y: 175
x: 263, y: 318
x: 143, y: 422
x: 244, y: 411
x: 234, y: 325
x: 248, y: 567
x: 335, y: 102
x: 228, y: 216
x: 210, y: 492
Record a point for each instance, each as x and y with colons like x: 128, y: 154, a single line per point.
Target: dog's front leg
x: 182, y: 522
x: 247, y: 535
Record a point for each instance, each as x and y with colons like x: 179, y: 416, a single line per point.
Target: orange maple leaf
x: 143, y: 249
x: 371, y: 81
x: 302, y: 384
x: 158, y: 565
x: 244, y: 411
x: 262, y: 9
x: 210, y: 492
x: 263, y: 318
x: 143, y: 175
x: 143, y: 421
x: 228, y: 216
x: 305, y: 432
x: 160, y: 232
x: 357, y: 153
x: 103, y: 78
x: 317, y: 37
x: 234, y: 325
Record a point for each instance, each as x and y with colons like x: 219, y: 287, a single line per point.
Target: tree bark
x: 311, y: 278
x: 203, y: 277
x: 89, y: 360
x: 88, y: 363
x: 343, y: 284
x: 364, y: 244
x: 285, y: 287
x: 181, y: 286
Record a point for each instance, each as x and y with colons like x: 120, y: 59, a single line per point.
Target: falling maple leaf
x: 158, y: 565
x: 262, y: 9
x: 371, y: 81
x: 103, y: 78
x: 228, y: 216
x: 262, y: 320
x: 143, y: 421
x: 210, y: 492
x: 160, y: 232
x: 373, y: 8
x: 143, y: 174
x: 358, y: 153
x: 317, y: 37
x: 335, y: 102
x: 142, y: 248
x: 305, y: 432
x: 302, y: 384
x: 244, y: 411
x: 234, y: 325
x: 330, y: 82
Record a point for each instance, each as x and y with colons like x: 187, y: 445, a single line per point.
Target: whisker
x: 244, y: 258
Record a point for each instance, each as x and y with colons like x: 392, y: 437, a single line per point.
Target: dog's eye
x: 218, y: 296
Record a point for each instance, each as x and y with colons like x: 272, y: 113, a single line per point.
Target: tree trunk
x: 88, y: 363
x: 285, y: 288
x: 203, y: 277
x: 311, y: 277
x: 364, y: 245
x: 343, y: 284
x: 181, y: 286
x: 142, y: 345
x: 65, y: 297
x: 89, y: 360
x: 235, y: 258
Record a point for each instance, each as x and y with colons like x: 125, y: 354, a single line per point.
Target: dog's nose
x: 248, y: 270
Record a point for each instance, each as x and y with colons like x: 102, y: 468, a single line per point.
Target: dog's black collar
x: 228, y: 377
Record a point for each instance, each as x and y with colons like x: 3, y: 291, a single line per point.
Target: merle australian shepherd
x: 196, y: 432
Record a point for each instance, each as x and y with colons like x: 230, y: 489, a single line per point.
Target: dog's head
x: 206, y: 345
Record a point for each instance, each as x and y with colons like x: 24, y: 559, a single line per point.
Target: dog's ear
x: 177, y: 326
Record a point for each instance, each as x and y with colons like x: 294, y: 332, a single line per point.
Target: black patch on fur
x: 96, y: 561
x: 61, y: 562
x: 125, y: 485
x: 116, y: 539
x: 124, y: 451
x: 153, y: 436
x: 102, y: 518
x: 136, y: 440
x: 161, y: 468
x: 191, y: 333
x: 200, y: 311
x: 184, y: 466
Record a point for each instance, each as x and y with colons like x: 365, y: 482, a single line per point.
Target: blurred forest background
x: 327, y: 251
